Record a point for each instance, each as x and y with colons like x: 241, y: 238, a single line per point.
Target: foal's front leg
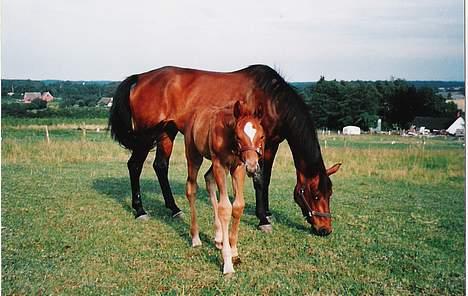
x: 224, y: 212
x: 238, y: 176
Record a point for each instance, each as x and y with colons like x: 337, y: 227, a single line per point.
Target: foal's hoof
x: 218, y: 245
x: 236, y: 260
x: 228, y: 271
x: 229, y: 275
x: 269, y: 218
x: 267, y: 228
x: 144, y: 217
x: 196, y: 242
x: 178, y: 215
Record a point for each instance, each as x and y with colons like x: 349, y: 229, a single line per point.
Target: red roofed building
x: 30, y: 96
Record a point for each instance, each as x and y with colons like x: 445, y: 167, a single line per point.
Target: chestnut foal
x: 233, y: 139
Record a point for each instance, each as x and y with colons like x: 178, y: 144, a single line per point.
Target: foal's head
x: 249, y: 137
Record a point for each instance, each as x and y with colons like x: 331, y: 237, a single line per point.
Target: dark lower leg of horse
x: 267, y: 165
x: 135, y: 165
x: 161, y: 168
x: 260, y: 211
x: 266, y: 185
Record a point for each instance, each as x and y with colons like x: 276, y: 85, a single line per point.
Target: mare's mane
x: 297, y: 124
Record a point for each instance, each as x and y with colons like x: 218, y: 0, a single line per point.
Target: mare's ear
x: 259, y: 111
x: 333, y: 169
x: 237, y: 109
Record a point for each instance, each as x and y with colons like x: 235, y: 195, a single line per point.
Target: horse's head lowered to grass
x: 313, y: 194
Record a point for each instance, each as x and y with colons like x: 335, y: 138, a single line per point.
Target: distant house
x: 31, y: 96
x: 457, y: 128
x: 46, y: 96
x: 105, y: 101
x: 431, y: 123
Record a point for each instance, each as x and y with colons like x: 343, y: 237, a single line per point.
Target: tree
x: 38, y: 104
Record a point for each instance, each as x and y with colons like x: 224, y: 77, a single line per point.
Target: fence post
x: 47, y: 134
x: 83, y: 129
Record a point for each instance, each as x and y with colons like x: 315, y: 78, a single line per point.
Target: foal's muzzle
x: 252, y: 169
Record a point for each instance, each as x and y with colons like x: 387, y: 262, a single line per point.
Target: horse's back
x: 174, y: 94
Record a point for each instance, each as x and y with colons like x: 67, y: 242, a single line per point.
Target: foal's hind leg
x: 194, y: 161
x: 211, y: 188
x: 135, y: 165
x: 161, y: 167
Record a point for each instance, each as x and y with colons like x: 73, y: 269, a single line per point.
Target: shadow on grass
x: 153, y: 202
x: 279, y: 217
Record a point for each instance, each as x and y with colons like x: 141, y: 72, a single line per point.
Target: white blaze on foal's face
x: 250, y: 131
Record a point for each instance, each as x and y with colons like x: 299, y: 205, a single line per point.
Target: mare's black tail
x: 120, y: 116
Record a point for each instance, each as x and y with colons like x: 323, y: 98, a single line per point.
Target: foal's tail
x: 120, y: 116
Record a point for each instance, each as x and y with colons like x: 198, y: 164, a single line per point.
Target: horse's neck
x: 307, y: 162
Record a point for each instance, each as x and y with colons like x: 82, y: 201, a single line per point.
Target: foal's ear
x: 237, y: 109
x: 333, y: 169
x: 259, y: 112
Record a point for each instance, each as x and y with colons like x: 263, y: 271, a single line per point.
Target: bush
x: 37, y: 104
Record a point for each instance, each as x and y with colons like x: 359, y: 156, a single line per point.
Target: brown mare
x: 149, y: 109
x: 233, y: 140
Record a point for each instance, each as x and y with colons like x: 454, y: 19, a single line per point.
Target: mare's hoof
x: 236, y: 260
x: 267, y: 228
x: 178, y: 215
x: 144, y: 217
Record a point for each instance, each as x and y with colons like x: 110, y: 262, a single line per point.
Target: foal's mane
x: 297, y: 125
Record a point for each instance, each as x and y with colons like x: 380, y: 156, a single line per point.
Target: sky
x: 303, y: 40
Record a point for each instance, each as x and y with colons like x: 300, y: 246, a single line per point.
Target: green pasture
x: 68, y: 228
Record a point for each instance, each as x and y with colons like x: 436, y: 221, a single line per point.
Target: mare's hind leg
x: 161, y: 168
x: 211, y: 188
x: 238, y: 176
x: 194, y: 161
x: 135, y: 165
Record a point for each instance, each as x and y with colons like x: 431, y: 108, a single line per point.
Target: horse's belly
x: 200, y: 135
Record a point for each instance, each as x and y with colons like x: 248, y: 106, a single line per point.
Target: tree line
x: 333, y: 104
x: 68, y: 93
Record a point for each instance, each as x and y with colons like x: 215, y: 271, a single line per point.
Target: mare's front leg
x: 211, y: 188
x: 238, y: 176
x: 261, y: 184
x: 224, y: 212
x: 194, y: 161
x: 135, y: 165
x: 161, y: 168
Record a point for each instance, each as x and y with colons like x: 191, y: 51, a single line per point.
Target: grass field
x: 68, y: 227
